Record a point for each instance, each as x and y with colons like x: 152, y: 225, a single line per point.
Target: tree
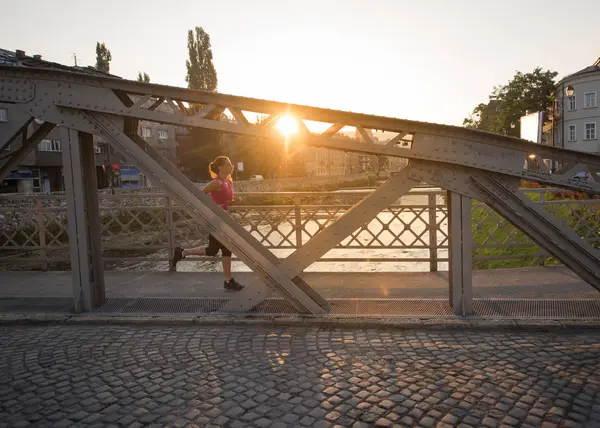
x: 197, y: 149
x: 507, y: 103
x: 484, y: 116
x: 103, y: 57
x: 201, y: 73
x: 200, y: 146
x: 143, y: 77
x: 262, y: 156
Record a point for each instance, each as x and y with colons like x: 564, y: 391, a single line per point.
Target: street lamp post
x: 569, y: 91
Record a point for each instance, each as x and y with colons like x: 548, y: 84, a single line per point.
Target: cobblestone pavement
x: 235, y: 376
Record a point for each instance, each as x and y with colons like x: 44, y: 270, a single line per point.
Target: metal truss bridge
x: 469, y: 164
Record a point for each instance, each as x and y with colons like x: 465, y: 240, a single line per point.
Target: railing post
x: 170, y: 223
x: 298, y: 221
x: 433, y: 235
x: 41, y: 233
x: 461, y: 257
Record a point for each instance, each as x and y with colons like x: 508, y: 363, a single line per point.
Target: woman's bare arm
x: 213, y: 186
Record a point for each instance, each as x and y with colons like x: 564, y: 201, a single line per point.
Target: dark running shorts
x: 214, y: 246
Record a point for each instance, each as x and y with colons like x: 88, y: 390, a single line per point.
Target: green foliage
x: 201, y: 73
x: 582, y: 219
x: 103, y: 58
x: 260, y: 156
x: 507, y: 103
x: 524, y: 255
x: 201, y: 146
x: 145, y: 77
x: 197, y: 150
x: 269, y: 158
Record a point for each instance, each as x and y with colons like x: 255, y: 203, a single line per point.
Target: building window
x: 572, y: 104
x: 589, y: 100
x: 163, y: 134
x: 49, y: 146
x: 146, y: 132
x: 590, y: 131
x: 572, y: 133
x: 3, y: 115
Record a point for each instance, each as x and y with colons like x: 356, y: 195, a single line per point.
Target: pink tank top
x: 223, y: 197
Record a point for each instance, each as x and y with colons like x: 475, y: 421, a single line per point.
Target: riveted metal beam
x: 27, y: 145
x: 361, y: 213
x: 201, y: 207
x: 18, y: 121
x: 85, y: 237
x: 503, y: 196
x: 445, y: 155
x: 433, y: 142
x: 16, y: 90
x: 460, y: 278
x: 541, y: 227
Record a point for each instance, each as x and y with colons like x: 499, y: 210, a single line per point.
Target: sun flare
x: 287, y: 125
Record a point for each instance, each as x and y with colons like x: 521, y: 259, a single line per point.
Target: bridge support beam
x: 15, y: 157
x: 461, y: 272
x: 18, y: 121
x: 202, y: 208
x: 85, y: 244
x: 533, y: 220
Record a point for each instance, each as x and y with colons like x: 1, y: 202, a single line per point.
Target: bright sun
x: 287, y: 126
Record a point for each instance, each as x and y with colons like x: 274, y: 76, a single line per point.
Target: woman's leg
x: 200, y: 251
x: 227, y: 267
x: 180, y: 253
x: 211, y: 250
x: 230, y: 282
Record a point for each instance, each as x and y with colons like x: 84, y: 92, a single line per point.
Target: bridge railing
x: 140, y: 230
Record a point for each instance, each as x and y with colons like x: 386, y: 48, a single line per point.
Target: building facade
x: 41, y: 170
x: 577, y: 115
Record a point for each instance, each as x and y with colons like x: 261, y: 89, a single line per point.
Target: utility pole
x: 75, y: 56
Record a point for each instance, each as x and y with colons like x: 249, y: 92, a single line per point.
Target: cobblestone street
x: 236, y: 376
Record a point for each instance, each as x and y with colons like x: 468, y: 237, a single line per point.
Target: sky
x: 427, y: 60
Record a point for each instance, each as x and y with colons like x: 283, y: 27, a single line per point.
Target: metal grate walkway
x: 423, y: 308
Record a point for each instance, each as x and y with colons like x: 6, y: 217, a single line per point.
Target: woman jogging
x: 221, y: 191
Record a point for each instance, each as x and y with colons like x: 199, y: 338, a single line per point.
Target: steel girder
x: 201, y: 207
x: 84, y: 225
x: 27, y: 144
x: 415, y: 140
x: 503, y: 195
x: 452, y: 157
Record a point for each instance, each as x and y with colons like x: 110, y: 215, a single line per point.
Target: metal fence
x: 146, y: 227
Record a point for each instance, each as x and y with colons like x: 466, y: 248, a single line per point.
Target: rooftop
x: 595, y: 67
x: 21, y: 59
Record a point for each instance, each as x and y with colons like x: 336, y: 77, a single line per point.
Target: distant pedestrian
x: 220, y: 190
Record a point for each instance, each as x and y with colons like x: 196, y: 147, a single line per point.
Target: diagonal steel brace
x: 545, y: 230
x: 201, y: 207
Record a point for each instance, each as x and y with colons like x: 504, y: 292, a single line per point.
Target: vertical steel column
x: 460, y: 278
x: 83, y: 212
x: 170, y: 226
x: 433, y: 237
